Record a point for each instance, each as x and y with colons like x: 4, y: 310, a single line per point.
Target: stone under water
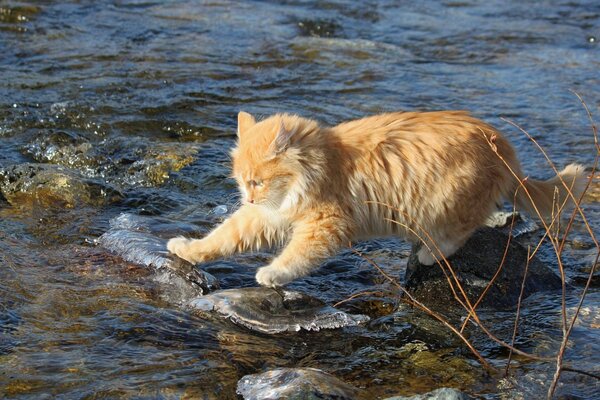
x: 128, y: 238
x: 295, y: 384
x: 123, y: 161
x: 273, y: 311
x: 53, y: 186
x: 438, y: 394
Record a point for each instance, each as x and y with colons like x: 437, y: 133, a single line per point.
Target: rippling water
x: 140, y: 97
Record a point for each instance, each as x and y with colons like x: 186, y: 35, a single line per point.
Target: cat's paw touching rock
x: 272, y: 276
x: 180, y: 247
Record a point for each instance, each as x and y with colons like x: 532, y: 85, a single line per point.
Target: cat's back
x: 436, y: 126
x: 431, y: 166
x: 444, y: 139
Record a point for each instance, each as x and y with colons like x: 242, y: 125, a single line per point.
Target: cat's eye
x: 255, y: 183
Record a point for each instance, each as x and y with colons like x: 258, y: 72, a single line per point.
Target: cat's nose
x: 251, y: 201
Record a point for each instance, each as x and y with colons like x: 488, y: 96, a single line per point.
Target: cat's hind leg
x: 436, y: 249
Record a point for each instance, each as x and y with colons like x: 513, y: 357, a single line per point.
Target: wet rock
x: 273, y: 311
x: 18, y: 14
x: 295, y: 384
x: 51, y: 185
x: 475, y: 264
x: 438, y: 394
x: 128, y: 239
x: 154, y: 162
x: 374, y: 307
x: 124, y: 161
x: 62, y: 148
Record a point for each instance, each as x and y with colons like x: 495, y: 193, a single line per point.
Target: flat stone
x: 273, y: 311
x: 295, y: 384
x: 475, y: 264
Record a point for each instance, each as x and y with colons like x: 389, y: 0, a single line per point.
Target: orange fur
x: 315, y: 189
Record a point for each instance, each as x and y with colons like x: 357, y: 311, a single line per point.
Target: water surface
x: 142, y: 96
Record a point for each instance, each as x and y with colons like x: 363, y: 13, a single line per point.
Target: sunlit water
x: 141, y: 96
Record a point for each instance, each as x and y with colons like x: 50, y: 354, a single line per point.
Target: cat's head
x: 268, y: 160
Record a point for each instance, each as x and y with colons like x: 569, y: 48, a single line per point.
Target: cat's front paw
x: 182, y: 247
x: 272, y: 276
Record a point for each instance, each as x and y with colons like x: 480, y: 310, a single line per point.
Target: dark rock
x: 475, y: 264
x: 295, y: 384
x: 128, y: 238
x: 51, y: 185
x: 438, y: 394
x: 272, y: 311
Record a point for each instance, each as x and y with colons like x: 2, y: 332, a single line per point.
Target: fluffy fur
x: 315, y: 189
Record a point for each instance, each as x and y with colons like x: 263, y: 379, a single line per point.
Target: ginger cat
x: 315, y: 189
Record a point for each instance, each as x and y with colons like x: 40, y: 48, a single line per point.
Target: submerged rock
x: 475, y: 264
x: 438, y: 394
x: 18, y: 14
x: 53, y: 185
x: 64, y: 148
x: 295, y: 384
x: 127, y: 239
x: 272, y: 311
x: 134, y: 161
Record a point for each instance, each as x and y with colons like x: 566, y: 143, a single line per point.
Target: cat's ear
x: 245, y: 122
x: 282, y: 140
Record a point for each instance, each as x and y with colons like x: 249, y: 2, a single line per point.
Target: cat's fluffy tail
x: 548, y: 196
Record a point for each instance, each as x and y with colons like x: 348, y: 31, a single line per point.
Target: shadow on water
x: 113, y: 107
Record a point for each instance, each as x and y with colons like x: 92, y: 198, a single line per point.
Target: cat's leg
x: 313, y: 240
x: 437, y: 249
x: 248, y: 228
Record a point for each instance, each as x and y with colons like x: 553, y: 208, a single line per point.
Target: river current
x: 133, y: 104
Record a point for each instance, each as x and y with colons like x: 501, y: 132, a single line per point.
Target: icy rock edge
x: 274, y: 311
x: 130, y: 237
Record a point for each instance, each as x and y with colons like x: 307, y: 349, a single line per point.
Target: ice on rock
x: 295, y: 383
x: 220, y: 210
x: 502, y: 220
x: 273, y: 311
x: 130, y: 238
x: 137, y: 247
x: 154, y: 225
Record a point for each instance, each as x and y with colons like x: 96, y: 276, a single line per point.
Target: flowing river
x: 128, y: 107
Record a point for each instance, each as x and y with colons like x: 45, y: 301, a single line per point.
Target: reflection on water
x: 141, y: 97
